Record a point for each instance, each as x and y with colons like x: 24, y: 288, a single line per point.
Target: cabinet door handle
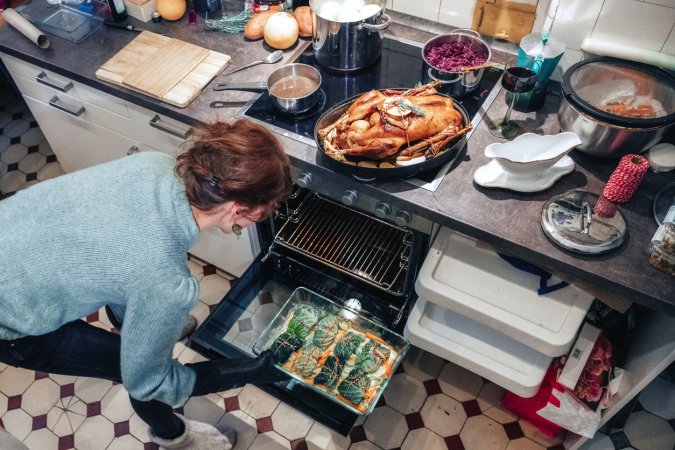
x: 156, y: 122
x: 42, y: 78
x: 55, y: 103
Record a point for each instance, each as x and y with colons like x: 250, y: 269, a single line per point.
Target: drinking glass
x: 516, y: 80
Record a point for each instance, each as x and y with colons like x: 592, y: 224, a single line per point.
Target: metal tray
x: 356, y: 323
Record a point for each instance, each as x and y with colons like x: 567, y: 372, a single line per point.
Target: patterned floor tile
x: 32, y: 137
x: 42, y: 439
x: 459, y: 383
x: 490, y: 402
x: 424, y: 439
x: 405, y: 393
x: 443, y: 415
x: 188, y: 356
x: 91, y: 390
x: 535, y: 434
x: 15, y: 381
x: 257, y: 403
x: 18, y: 423
x: 647, y: 431
x: 480, y: 433
x: 523, y: 444
x: 201, y: 311
x: 212, y: 289
x: 115, y: 406
x: 16, y: 128
x: 270, y: 441
x: 659, y: 398
x: 12, y: 181
x: 127, y: 442
x: 422, y: 365
x: 4, y: 142
x: 208, y: 408
x: 290, y: 423
x: 40, y: 397
x: 365, y: 445
x: 323, y: 438
x: 386, y: 427
x: 243, y: 424
x: 95, y: 433
x: 138, y: 428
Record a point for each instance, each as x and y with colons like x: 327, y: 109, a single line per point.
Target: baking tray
x: 63, y: 21
x: 350, y: 321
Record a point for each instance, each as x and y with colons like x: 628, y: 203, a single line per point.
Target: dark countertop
x: 507, y: 220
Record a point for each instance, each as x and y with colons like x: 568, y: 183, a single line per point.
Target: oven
x: 330, y: 240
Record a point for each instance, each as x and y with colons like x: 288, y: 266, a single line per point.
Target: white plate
x: 494, y: 175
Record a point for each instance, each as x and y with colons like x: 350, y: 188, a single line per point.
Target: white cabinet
x: 85, y: 127
x: 77, y: 143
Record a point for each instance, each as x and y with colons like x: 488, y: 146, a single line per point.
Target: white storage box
x: 477, y: 283
x: 476, y: 347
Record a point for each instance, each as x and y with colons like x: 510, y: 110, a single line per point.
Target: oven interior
x: 357, y: 260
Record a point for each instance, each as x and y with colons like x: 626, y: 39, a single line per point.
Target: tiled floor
x: 429, y: 404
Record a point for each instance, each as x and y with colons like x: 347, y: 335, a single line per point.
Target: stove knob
x: 382, y: 210
x: 304, y: 179
x: 403, y: 218
x: 349, y: 198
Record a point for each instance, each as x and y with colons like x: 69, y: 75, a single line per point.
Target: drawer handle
x: 55, y: 103
x: 156, y: 122
x: 133, y: 150
x: 42, y: 78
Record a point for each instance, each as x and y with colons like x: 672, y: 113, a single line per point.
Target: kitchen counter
x: 507, y: 220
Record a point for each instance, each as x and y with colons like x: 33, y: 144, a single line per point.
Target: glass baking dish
x: 73, y: 24
x: 368, y: 334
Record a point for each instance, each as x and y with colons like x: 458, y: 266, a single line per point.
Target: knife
x: 127, y: 26
x: 123, y: 26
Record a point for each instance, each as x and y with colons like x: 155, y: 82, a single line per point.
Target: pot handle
x: 468, y: 31
x: 386, y: 20
x: 259, y: 86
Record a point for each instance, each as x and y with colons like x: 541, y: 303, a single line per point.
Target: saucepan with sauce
x: 293, y: 88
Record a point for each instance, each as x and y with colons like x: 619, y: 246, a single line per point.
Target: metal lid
x: 622, y: 93
x: 569, y: 221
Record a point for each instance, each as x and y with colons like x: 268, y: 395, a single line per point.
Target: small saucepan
x: 293, y: 88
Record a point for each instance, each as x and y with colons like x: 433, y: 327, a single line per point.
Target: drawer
x: 157, y: 131
x: 74, y: 105
x: 57, y: 83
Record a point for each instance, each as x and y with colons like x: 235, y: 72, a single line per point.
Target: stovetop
x: 400, y: 66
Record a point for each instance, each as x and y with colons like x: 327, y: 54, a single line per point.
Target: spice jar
x: 268, y: 5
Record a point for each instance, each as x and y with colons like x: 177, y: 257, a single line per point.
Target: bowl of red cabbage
x: 457, y: 60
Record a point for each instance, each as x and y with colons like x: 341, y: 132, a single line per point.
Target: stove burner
x: 316, y: 109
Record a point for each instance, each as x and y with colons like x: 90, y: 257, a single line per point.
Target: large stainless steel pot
x: 455, y: 84
x: 349, y: 45
x: 594, y: 90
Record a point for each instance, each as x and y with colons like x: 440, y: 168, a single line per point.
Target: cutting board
x: 169, y: 69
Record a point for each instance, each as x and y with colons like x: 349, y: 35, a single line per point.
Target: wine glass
x: 516, y: 80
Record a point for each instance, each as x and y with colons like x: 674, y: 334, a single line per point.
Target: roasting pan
x: 450, y: 153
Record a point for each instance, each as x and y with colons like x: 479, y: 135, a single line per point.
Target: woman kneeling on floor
x: 117, y: 234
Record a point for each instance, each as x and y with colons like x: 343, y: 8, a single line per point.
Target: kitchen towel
x: 25, y: 27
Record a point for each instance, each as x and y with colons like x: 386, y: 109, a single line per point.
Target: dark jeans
x: 81, y: 349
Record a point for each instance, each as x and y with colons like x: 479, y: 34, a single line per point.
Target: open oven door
x: 380, y: 286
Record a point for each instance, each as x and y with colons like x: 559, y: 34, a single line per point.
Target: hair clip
x: 214, y: 181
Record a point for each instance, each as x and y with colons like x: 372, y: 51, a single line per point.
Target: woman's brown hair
x: 240, y: 161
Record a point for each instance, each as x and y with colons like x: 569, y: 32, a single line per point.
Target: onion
x: 281, y: 30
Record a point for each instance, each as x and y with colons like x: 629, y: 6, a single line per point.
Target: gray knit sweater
x: 112, y: 234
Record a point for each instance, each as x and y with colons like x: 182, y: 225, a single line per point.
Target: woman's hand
x: 223, y: 374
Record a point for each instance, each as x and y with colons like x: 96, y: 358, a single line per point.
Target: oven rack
x: 348, y: 240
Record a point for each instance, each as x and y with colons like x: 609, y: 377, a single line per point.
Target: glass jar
x: 268, y: 5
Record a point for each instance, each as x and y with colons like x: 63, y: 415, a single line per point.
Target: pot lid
x: 569, y: 221
x: 622, y: 93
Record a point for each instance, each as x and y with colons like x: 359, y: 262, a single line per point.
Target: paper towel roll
x: 605, y: 48
x: 25, y: 27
